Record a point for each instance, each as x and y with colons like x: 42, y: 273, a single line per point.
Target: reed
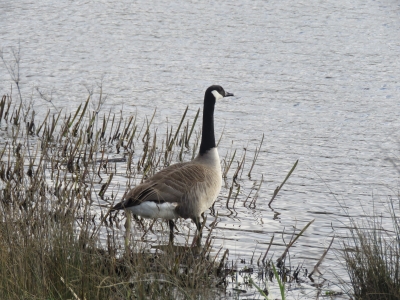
x: 59, y: 177
x: 372, y: 256
x: 57, y: 239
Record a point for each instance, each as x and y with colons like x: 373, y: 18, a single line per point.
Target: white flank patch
x: 217, y: 95
x: 153, y: 210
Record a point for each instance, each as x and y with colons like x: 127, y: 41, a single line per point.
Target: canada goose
x: 186, y: 189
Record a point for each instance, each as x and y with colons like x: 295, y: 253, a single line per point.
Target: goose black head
x: 217, y: 92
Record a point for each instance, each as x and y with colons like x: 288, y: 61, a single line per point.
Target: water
x: 318, y: 78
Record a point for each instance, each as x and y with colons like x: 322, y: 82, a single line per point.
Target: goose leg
x: 171, y: 231
x: 196, y: 221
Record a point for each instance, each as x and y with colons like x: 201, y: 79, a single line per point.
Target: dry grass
x: 57, y: 241
x: 372, y: 257
x: 58, y: 178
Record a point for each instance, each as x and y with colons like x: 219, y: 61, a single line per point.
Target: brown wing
x: 169, y: 185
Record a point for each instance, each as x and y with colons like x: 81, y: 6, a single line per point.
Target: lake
x: 320, y: 80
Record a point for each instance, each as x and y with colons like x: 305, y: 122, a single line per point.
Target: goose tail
x: 118, y: 206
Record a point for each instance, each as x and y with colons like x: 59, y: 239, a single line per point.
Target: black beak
x: 228, y: 94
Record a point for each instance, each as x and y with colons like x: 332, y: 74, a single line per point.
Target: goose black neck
x: 207, y: 137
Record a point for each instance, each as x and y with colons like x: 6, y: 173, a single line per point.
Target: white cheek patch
x: 217, y: 95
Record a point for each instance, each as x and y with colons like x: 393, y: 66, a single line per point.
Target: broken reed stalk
x: 53, y: 126
x: 266, y: 252
x: 105, y: 186
x: 43, y: 123
x: 70, y: 123
x: 315, y: 269
x: 279, y: 187
x: 224, y: 258
x: 240, y: 167
x: 116, y: 134
x: 236, y: 196
x: 196, y: 145
x: 150, y: 157
x: 227, y: 204
x: 227, y: 167
x: 283, y: 256
x: 2, y: 105
x: 253, y: 201
x: 82, y: 114
x: 192, y: 128
x: 147, y: 132
x: 6, y: 114
x: 169, y: 148
x: 248, y: 197
x: 257, y: 152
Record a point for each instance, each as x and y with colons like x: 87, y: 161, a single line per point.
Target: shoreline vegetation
x: 58, y: 239
x: 60, y: 176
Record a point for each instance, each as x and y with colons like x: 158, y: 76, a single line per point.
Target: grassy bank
x: 57, y: 238
x: 372, y: 256
x: 60, y: 175
x: 58, y: 178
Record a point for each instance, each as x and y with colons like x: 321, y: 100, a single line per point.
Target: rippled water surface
x: 320, y: 79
